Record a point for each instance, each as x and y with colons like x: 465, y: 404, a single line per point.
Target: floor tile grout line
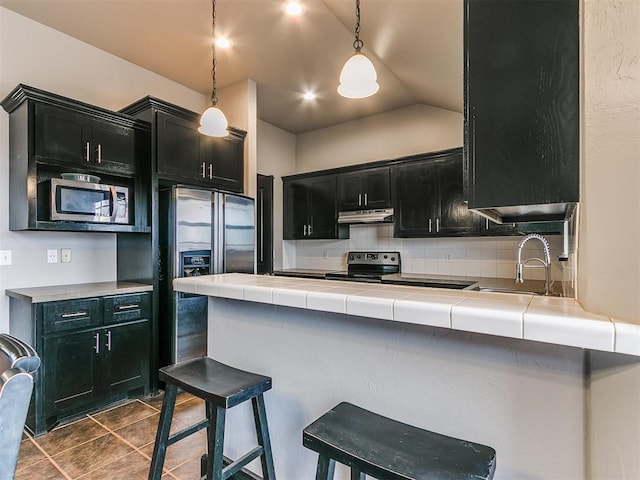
x: 78, y: 444
x: 50, y: 459
x: 137, y: 449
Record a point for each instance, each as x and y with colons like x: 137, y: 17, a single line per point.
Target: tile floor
x: 115, y: 443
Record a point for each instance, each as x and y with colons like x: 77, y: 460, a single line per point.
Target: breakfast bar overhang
x: 510, y: 371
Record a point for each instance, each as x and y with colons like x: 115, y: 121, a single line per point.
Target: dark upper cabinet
x: 66, y: 137
x: 178, y: 148
x: 310, y: 209
x: 521, y: 76
x: 454, y: 215
x: 428, y: 198
x: 183, y: 155
x: 223, y: 161
x: 364, y: 189
x: 50, y: 134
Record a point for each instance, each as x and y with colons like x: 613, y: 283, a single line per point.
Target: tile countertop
x: 555, y: 320
x: 69, y: 292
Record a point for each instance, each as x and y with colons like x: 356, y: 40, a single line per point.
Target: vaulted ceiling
x: 415, y: 45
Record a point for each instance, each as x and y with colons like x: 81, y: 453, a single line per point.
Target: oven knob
x: 358, y: 255
x: 350, y: 257
x: 385, y: 257
x: 393, y: 259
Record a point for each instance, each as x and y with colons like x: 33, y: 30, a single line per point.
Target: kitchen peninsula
x: 505, y: 370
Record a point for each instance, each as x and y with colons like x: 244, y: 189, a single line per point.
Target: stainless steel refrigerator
x: 201, y: 232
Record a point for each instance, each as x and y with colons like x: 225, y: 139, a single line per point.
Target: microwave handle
x: 114, y: 202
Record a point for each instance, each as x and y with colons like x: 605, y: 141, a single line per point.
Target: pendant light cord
x: 214, y: 96
x: 358, y: 44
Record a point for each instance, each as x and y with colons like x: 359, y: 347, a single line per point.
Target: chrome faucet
x: 546, y: 262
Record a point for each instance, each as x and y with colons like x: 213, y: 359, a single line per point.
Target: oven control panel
x: 373, y: 258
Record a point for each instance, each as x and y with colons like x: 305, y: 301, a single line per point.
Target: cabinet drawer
x: 125, y: 308
x: 71, y: 314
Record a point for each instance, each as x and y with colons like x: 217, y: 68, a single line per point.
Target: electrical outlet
x: 449, y: 257
x: 65, y: 255
x: 52, y: 256
x: 5, y: 257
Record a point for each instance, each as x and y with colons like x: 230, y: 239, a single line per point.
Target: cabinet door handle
x: 304, y: 231
x: 74, y: 315
x: 99, y: 150
x: 486, y: 224
x: 366, y: 202
x: 96, y: 347
x: 309, y: 230
x: 437, y: 225
x: 109, y: 341
x: 210, y: 171
x: 429, y: 225
x: 204, y: 170
x: 359, y: 199
x: 128, y: 307
x: 87, y: 149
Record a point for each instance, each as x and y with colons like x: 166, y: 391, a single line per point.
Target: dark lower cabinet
x: 70, y: 374
x: 93, y: 351
x: 125, y: 358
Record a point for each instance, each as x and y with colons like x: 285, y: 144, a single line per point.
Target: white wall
x: 36, y: 55
x: 239, y: 104
x: 398, y: 133
x: 609, y: 257
x: 609, y: 250
x: 277, y: 157
x: 525, y: 399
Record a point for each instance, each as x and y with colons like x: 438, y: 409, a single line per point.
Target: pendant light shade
x: 213, y: 122
x: 358, y: 78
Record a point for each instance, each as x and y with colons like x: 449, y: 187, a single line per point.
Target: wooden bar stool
x: 221, y: 387
x: 385, y: 449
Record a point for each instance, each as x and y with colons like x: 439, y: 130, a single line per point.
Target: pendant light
x: 358, y: 78
x: 213, y: 122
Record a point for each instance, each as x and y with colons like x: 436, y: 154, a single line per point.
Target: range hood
x: 383, y: 215
x: 527, y: 213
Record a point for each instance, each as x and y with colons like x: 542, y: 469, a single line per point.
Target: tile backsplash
x: 493, y: 257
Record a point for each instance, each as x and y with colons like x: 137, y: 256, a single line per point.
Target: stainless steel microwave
x: 76, y: 201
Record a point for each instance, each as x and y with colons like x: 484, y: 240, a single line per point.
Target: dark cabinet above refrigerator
x: 182, y: 155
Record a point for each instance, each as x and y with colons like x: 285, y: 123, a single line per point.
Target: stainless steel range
x: 384, y: 267
x: 368, y: 266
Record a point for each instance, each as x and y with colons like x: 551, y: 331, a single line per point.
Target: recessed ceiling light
x: 223, y: 42
x: 293, y: 8
x: 309, y: 96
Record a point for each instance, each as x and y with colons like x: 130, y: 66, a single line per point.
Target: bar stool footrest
x: 176, y: 437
